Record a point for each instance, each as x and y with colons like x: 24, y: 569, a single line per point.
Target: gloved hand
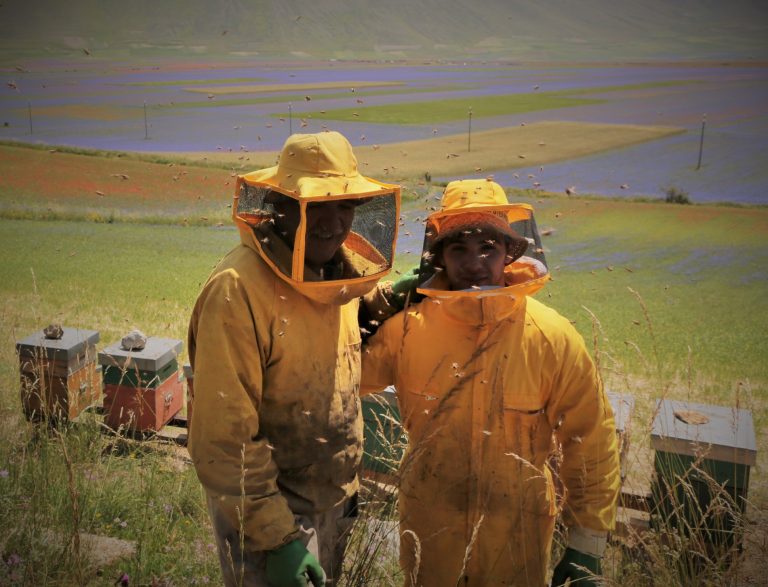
x: 404, y: 287
x: 291, y: 564
x: 570, y: 567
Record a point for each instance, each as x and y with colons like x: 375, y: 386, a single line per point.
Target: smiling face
x: 328, y: 224
x: 474, y: 260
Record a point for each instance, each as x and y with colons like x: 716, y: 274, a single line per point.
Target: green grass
x: 437, y: 111
x: 124, y: 490
x: 108, y: 277
x: 446, y: 110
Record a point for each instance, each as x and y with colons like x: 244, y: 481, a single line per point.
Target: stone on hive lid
x: 135, y: 340
x: 53, y: 331
x: 714, y: 432
x: 71, y: 347
x: 157, y: 353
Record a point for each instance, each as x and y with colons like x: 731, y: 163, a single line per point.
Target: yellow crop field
x: 503, y: 148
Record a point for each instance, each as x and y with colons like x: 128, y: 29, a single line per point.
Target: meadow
x: 670, y: 298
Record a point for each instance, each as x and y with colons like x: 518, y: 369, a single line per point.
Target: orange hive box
x: 142, y: 389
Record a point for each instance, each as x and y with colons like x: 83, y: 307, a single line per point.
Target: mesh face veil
x: 514, y: 223
x: 519, y: 218
x: 329, y: 247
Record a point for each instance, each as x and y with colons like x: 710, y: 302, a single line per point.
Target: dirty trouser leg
x: 324, y: 534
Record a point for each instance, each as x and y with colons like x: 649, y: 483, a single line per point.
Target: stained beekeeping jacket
x: 275, y: 347
x: 489, y: 382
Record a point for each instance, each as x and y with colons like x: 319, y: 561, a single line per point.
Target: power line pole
x: 29, y: 110
x: 701, y: 141
x: 290, y: 119
x: 469, y: 131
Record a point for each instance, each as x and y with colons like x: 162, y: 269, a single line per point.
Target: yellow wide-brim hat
x: 471, y: 205
x: 315, y: 166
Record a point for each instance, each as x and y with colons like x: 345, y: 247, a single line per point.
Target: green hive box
x: 384, y: 437
x: 133, y: 377
x: 698, y: 448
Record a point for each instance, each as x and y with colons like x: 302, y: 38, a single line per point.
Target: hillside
x: 503, y: 29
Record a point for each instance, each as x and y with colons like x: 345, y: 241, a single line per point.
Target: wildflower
x: 13, y: 560
x: 123, y: 580
x: 3, y: 473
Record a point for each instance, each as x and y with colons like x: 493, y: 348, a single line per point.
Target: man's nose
x: 328, y: 218
x: 473, y: 263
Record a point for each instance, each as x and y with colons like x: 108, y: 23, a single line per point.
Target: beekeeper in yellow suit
x: 488, y: 381
x: 274, y: 345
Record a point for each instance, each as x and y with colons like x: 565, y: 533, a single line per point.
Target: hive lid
x: 715, y: 432
x: 157, y: 353
x: 70, y: 347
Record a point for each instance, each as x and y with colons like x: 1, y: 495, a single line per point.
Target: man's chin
x: 321, y: 252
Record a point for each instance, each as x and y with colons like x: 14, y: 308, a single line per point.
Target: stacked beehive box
x: 59, y: 376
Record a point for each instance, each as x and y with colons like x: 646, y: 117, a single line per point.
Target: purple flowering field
x: 102, y: 105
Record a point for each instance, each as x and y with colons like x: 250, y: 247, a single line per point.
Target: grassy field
x: 449, y: 109
x: 437, y: 111
x: 672, y: 299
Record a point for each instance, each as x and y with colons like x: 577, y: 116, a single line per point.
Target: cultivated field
x: 241, y: 106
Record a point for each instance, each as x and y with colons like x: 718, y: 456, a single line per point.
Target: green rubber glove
x: 577, y: 566
x: 291, y: 564
x: 405, y: 288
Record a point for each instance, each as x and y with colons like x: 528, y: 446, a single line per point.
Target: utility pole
x: 469, y: 131
x: 29, y: 109
x: 701, y: 141
x: 290, y: 119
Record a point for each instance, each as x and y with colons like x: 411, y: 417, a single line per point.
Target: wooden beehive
x: 702, y: 453
x: 59, y: 378
x: 142, y: 388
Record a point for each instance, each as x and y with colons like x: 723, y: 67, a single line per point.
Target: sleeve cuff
x: 587, y: 541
